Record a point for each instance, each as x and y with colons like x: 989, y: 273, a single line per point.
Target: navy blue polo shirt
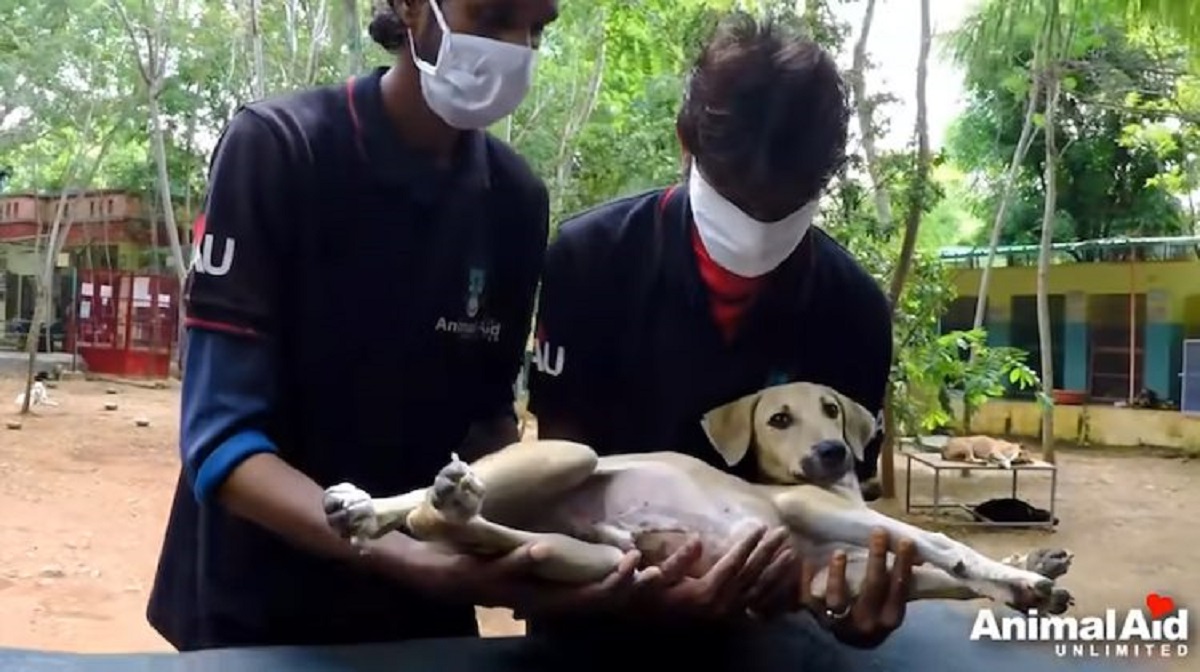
x: 356, y: 309
x: 629, y: 357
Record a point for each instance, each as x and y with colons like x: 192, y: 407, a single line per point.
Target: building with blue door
x: 1121, y: 311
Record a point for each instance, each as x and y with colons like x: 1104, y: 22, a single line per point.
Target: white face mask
x: 736, y: 241
x: 476, y: 81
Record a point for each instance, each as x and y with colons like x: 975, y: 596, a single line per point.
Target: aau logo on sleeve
x: 204, y: 250
x: 474, y: 326
x: 547, y: 360
x: 204, y: 258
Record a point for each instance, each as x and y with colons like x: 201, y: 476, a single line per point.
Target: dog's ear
x: 859, y: 425
x: 730, y: 428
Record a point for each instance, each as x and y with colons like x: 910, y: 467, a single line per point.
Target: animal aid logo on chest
x: 475, y: 325
x: 1161, y: 630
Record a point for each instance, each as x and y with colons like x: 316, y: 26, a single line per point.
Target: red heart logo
x: 1159, y: 605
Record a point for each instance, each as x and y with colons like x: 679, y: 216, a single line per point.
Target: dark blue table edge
x: 934, y: 638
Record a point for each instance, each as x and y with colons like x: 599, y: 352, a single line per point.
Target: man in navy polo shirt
x: 358, y: 305
x: 661, y: 306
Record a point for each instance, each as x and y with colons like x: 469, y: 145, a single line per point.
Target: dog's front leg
x: 826, y: 518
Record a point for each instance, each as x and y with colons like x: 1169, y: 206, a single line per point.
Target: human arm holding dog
x: 233, y: 375
x: 867, y: 616
x: 571, y: 390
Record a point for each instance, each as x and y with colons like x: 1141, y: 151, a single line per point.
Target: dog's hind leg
x: 464, y: 500
x: 452, y: 514
x: 517, y: 478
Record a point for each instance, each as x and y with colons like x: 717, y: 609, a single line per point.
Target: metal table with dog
x: 938, y: 464
x: 934, y: 638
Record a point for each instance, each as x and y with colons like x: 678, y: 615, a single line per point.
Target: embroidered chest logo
x: 476, y: 282
x: 777, y: 378
x: 473, y: 327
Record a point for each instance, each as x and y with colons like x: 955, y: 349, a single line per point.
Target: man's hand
x: 508, y: 581
x: 865, y: 622
x: 753, y: 570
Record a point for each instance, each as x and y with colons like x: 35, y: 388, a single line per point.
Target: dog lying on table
x: 985, y: 450
x: 588, y: 511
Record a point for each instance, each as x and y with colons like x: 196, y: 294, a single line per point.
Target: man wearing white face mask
x: 658, y: 307
x: 378, y: 208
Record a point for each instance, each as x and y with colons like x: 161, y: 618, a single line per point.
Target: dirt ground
x: 84, y: 494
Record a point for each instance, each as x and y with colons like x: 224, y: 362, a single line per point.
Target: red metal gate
x: 125, y: 324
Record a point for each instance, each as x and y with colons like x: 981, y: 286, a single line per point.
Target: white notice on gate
x: 85, y: 289
x: 141, y: 292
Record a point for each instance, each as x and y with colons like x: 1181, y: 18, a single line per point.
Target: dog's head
x: 800, y: 432
x: 1007, y: 453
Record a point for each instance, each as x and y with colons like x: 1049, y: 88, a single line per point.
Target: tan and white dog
x: 985, y: 450
x: 588, y: 511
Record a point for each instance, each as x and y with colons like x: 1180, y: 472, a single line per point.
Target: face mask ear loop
x: 420, y: 63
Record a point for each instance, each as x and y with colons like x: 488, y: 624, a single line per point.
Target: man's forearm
x: 271, y: 493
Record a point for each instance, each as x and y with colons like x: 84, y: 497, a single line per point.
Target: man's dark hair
x: 386, y: 27
x: 765, y: 105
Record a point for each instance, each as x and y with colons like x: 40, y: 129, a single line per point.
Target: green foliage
x: 601, y: 119
x: 959, y: 361
x: 599, y: 123
x: 1110, y: 179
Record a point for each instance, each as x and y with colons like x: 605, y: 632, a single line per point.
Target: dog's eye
x: 830, y: 409
x: 780, y: 420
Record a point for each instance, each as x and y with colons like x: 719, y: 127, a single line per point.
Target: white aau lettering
x: 202, y: 260
x: 543, y: 361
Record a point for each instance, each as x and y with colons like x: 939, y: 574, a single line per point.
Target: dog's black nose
x: 831, y: 451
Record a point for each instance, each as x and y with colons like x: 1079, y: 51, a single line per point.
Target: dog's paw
x: 1040, y: 595
x: 350, y: 511
x: 1059, y: 602
x: 457, y: 493
x: 1050, y: 562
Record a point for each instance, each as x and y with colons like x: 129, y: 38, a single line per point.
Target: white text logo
x: 202, y: 260
x: 470, y: 330
x: 549, y: 362
x: 1132, y: 634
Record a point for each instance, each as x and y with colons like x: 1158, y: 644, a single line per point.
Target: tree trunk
x: 168, y: 209
x: 1045, y: 346
x: 354, y: 46
x: 256, y: 42
x: 1014, y: 171
x: 866, y: 121
x: 159, y: 145
x: 54, y: 244
x: 912, y: 225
